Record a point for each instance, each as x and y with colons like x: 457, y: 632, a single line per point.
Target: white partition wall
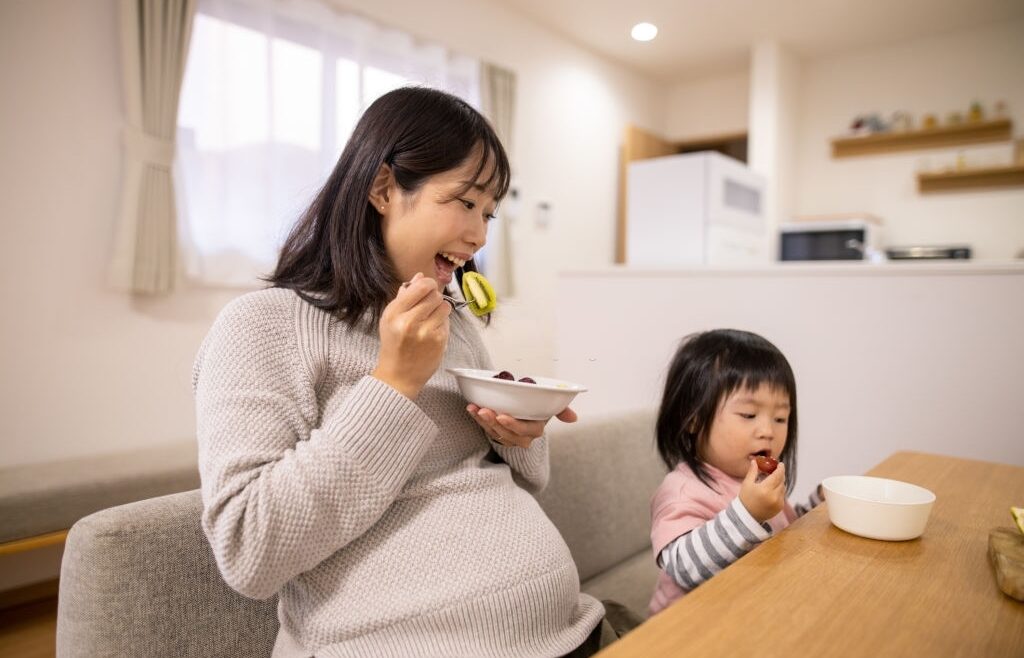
x: 902, y: 356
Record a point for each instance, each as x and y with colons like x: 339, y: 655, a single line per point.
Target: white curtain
x: 154, y: 43
x: 272, y: 91
x: 498, y: 103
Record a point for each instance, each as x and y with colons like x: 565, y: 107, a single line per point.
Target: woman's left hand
x: 509, y: 431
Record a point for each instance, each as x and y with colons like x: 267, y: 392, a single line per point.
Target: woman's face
x: 437, y: 228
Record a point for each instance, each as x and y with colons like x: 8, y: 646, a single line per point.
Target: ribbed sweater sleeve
x: 531, y: 467
x: 280, y: 495
x: 707, y: 549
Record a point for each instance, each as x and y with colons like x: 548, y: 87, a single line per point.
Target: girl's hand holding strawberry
x: 766, y: 498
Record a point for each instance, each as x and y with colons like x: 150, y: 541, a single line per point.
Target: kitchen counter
x: 817, y: 268
x: 901, y: 355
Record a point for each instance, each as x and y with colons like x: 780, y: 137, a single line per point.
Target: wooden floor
x: 29, y: 630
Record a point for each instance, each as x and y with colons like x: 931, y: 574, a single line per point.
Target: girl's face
x: 437, y: 228
x: 747, y: 423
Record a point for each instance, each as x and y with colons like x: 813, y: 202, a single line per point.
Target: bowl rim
x: 825, y: 485
x: 476, y: 374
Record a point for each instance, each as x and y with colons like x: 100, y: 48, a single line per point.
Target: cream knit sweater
x: 380, y: 521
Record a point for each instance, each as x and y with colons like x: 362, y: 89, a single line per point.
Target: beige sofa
x: 140, y: 580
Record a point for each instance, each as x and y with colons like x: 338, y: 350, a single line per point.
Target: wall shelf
x: 971, y: 132
x: 1008, y: 176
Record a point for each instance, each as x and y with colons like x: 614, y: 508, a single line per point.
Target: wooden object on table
x: 979, y: 132
x: 639, y: 144
x: 971, y: 178
x: 814, y: 590
x: 1006, y: 552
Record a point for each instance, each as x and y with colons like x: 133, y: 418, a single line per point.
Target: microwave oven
x: 845, y: 239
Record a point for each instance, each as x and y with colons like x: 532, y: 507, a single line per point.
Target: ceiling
x: 697, y: 38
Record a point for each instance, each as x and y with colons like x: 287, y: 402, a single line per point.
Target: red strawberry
x: 766, y: 465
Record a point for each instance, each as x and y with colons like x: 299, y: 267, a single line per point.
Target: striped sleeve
x: 698, y: 555
x: 813, y: 501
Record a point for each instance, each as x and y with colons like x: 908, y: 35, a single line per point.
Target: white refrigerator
x: 695, y: 209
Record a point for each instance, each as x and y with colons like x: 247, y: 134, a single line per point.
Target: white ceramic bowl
x: 877, y: 508
x: 538, y: 401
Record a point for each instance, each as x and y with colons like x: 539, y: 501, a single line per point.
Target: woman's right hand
x: 413, y: 336
x: 766, y: 498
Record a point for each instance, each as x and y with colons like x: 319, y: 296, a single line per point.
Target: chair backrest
x: 140, y: 580
x: 603, y: 472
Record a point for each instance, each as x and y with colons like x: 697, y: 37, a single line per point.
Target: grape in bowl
x: 538, y: 399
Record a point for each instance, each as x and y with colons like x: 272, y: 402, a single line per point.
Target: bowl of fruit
x: 877, y: 508
x: 526, y: 398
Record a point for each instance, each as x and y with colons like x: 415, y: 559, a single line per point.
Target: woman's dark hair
x: 334, y: 257
x: 706, y: 369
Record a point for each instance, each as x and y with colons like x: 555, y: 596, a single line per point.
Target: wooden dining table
x: 815, y: 590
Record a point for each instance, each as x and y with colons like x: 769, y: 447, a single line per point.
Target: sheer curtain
x: 498, y: 103
x: 154, y: 41
x: 271, y: 94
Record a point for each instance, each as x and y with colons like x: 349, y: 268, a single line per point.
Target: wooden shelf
x: 966, y: 133
x: 1012, y: 175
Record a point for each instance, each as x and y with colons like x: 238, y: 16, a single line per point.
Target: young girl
x: 730, y: 396
x: 341, y: 469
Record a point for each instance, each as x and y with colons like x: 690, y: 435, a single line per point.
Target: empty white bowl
x: 877, y: 508
x: 538, y: 401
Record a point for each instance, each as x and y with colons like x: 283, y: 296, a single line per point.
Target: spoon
x: 455, y: 303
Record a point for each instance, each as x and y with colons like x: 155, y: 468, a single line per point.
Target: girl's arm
x: 276, y: 505
x: 816, y: 498
x: 707, y: 549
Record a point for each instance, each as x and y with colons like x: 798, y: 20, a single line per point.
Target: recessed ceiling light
x: 644, y: 31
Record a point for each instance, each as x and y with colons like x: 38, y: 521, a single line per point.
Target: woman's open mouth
x: 445, y: 265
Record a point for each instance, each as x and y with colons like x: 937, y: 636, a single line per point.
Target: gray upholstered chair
x: 140, y: 579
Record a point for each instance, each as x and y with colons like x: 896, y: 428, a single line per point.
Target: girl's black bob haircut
x: 706, y: 369
x: 334, y: 256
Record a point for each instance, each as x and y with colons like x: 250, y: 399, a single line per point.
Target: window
x: 271, y: 94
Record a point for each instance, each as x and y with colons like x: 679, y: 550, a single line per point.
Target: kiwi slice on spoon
x: 479, y: 292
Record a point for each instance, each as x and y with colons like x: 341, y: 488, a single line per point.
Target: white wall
x: 708, y: 106
x: 890, y: 357
x: 572, y: 109
x: 774, y: 93
x: 86, y: 370
x: 936, y: 75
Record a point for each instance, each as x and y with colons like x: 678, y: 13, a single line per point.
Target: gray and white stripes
x: 707, y: 549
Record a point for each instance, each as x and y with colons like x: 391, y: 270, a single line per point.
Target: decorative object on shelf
x: 954, y: 119
x: 929, y: 122
x: 961, y: 161
x: 901, y: 122
x: 1018, y: 155
x: 940, y: 137
x: 999, y: 109
x: 976, y: 113
x: 868, y: 124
